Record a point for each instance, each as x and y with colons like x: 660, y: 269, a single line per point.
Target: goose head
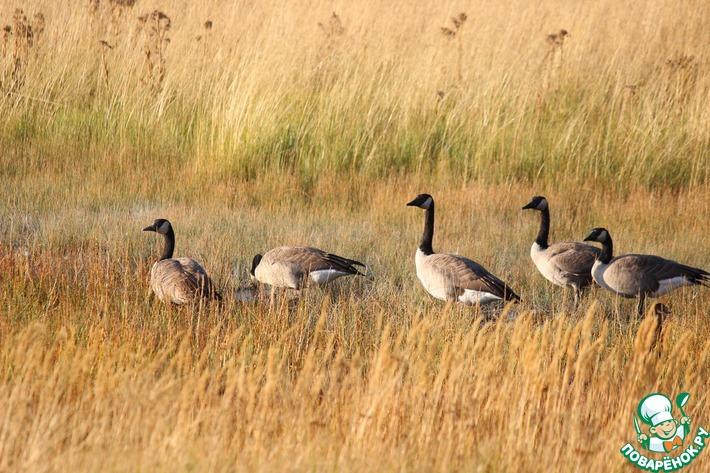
x: 160, y: 226
x: 423, y: 201
x: 254, y: 263
x: 599, y: 234
x: 537, y: 203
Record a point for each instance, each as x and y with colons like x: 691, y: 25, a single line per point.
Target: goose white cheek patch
x: 427, y: 203
x: 164, y: 227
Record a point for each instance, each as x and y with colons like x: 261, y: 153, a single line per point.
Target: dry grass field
x: 255, y: 124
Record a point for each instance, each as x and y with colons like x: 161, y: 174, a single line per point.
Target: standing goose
x: 451, y: 277
x: 293, y: 266
x: 566, y: 264
x: 640, y: 276
x: 177, y: 280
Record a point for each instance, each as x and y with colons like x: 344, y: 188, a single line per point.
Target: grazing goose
x: 640, y: 276
x: 293, y: 266
x: 451, y: 277
x: 566, y: 264
x: 177, y: 280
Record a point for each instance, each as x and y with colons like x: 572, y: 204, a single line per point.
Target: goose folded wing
x: 184, y: 279
x: 312, y: 259
x: 465, y: 274
x: 171, y: 278
x: 573, y: 258
x: 653, y: 269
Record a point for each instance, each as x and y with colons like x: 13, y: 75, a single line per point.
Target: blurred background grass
x: 322, y: 88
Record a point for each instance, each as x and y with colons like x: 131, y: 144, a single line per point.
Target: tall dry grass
x: 364, y: 375
x: 239, y: 89
x: 303, y: 390
x: 255, y: 124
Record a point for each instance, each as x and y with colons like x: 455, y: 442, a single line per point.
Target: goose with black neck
x: 178, y: 281
x: 640, y: 276
x: 565, y: 264
x: 451, y: 277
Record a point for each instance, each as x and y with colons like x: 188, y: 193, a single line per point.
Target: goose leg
x: 577, y: 296
x: 640, y: 309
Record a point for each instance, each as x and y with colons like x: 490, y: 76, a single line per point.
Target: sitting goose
x: 178, y: 280
x: 451, y: 277
x: 566, y: 264
x: 640, y: 276
x: 293, y: 266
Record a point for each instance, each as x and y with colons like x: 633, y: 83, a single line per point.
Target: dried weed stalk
x: 453, y: 33
x: 105, y: 49
x: 109, y: 19
x: 628, y: 97
x: 109, y: 27
x: 207, y: 33
x: 6, y: 38
x: 333, y: 28
x: 333, y: 31
x: 553, y: 60
x: 119, y: 14
x: 154, y: 28
x: 680, y: 76
x: 19, y: 41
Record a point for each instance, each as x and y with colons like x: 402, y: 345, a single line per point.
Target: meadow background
x: 255, y: 124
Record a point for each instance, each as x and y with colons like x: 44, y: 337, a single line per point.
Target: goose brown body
x: 178, y: 280
x: 634, y: 275
x: 452, y: 277
x: 565, y: 264
x: 640, y: 276
x: 456, y: 278
x: 294, y: 266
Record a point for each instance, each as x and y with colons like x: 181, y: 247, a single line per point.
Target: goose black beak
x: 416, y: 202
x: 529, y: 205
x: 150, y: 228
x: 589, y: 237
x: 423, y: 201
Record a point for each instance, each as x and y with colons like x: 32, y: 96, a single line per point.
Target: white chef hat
x: 655, y: 409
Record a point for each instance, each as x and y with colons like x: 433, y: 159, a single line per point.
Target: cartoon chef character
x: 667, y: 434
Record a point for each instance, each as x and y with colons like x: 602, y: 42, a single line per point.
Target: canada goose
x: 640, y: 275
x: 177, y: 280
x: 566, y: 264
x: 293, y: 266
x: 451, y: 277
